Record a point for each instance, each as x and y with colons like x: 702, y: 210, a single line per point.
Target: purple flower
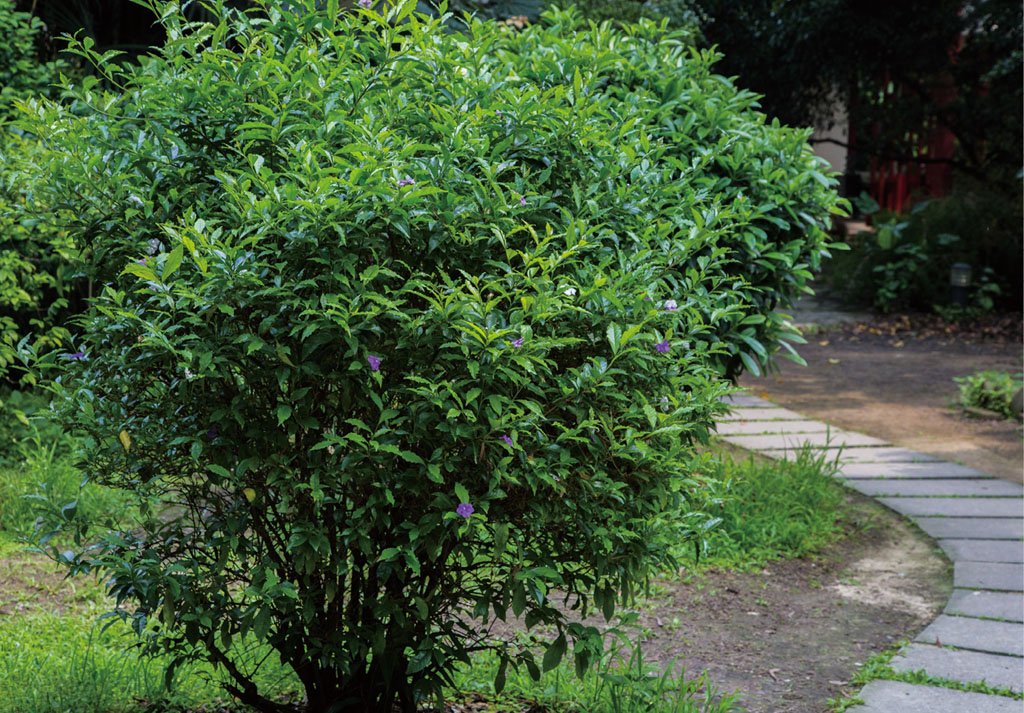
x: 508, y: 440
x: 671, y: 306
x: 374, y: 362
x: 517, y: 342
x: 143, y: 261
x: 75, y: 357
x: 662, y: 346
x: 365, y: 4
x: 465, y: 510
x: 212, y: 432
x: 497, y: 112
x: 407, y: 182
x: 522, y: 200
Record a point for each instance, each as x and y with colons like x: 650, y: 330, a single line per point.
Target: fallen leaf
x: 898, y: 344
x: 823, y: 343
x: 833, y: 361
x: 765, y: 395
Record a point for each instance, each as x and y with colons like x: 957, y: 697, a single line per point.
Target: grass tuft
x: 622, y: 683
x: 773, y: 510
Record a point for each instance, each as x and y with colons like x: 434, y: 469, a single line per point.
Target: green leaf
x: 499, y: 677
x: 749, y: 362
x: 284, y: 412
x: 614, y: 335
x: 500, y: 539
x: 519, y: 599
x: 173, y: 262
x: 554, y: 653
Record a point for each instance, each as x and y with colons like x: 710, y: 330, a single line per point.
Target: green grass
x: 773, y: 509
x: 60, y: 664
x: 54, y: 656
x: 621, y: 683
x: 41, y: 478
x: 877, y: 668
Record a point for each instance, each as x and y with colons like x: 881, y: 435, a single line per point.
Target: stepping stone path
x: 978, y: 521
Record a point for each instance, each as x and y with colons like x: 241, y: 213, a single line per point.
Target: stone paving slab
x: 989, y: 575
x: 994, y: 637
x: 991, y: 605
x: 983, y: 550
x: 762, y: 414
x: 891, y: 471
x: 973, y: 528
x: 956, y: 507
x: 834, y: 438
x: 899, y: 697
x: 938, y: 486
x: 966, y: 666
x: 886, y: 454
x: 740, y: 428
x: 746, y: 400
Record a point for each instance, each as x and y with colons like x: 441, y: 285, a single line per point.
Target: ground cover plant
x: 398, y: 331
x: 992, y: 391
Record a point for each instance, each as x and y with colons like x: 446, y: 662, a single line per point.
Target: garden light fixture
x: 959, y: 280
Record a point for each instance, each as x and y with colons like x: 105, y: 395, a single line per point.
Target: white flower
x: 571, y: 292
x: 671, y: 306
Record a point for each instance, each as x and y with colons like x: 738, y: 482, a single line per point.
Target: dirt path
x: 790, y: 637
x: 901, y: 393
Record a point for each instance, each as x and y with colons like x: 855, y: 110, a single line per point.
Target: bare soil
x: 790, y: 637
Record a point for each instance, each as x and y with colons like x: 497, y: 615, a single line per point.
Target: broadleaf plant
x: 399, y: 332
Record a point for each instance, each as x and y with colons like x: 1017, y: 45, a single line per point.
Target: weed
x: 620, y: 684
x: 775, y: 509
x: 990, y: 390
x: 877, y: 668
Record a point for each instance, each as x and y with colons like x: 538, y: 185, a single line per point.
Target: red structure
x: 894, y: 183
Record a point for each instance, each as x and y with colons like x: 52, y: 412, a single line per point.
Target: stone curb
x: 979, y: 521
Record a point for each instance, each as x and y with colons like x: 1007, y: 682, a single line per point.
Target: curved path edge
x: 977, y: 520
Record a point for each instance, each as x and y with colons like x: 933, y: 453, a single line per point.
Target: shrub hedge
x: 400, y: 331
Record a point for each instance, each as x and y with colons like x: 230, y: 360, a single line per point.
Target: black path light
x: 959, y: 280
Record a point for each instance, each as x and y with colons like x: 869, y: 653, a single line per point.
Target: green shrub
x: 36, y: 278
x: 991, y: 390
x: 402, y: 331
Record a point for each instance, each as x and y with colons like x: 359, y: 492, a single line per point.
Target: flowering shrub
x: 400, y: 333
